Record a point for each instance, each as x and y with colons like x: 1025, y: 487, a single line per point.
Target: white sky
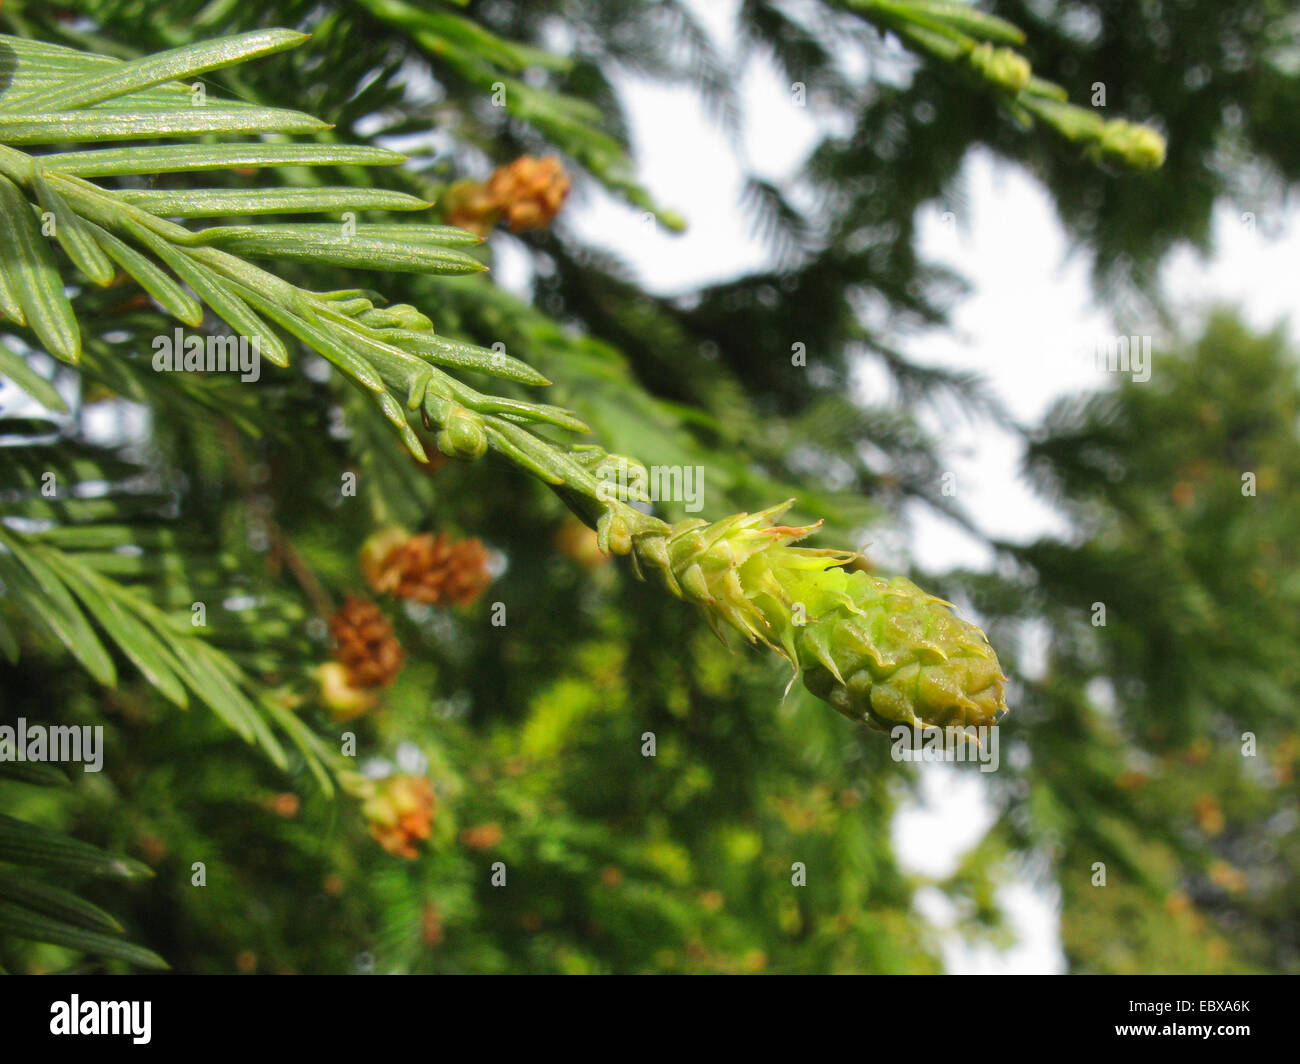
x: 1030, y: 326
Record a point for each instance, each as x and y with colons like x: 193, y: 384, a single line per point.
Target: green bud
x: 398, y: 316
x: 652, y: 547
x: 612, y: 533
x: 1002, y: 66
x: 1140, y: 147
x: 463, y: 435
x: 353, y: 308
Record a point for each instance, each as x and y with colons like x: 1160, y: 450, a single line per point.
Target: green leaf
x: 44, y: 597
x: 24, y: 923
x: 969, y: 19
x: 319, y: 339
x: 177, y: 63
x: 26, y: 844
x: 169, y: 295
x: 104, y: 537
x: 55, y: 902
x: 404, y: 232
x: 212, y: 678
x: 462, y: 355
x: 28, y: 265
x: 34, y: 772
x: 222, y: 202
x: 137, y: 642
x: 74, y: 234
x: 62, y: 126
x: 180, y: 158
x: 31, y: 50
x: 518, y: 410
x: 306, y: 740
x: 9, y: 305
x: 15, y: 367
x: 521, y: 446
x: 330, y: 246
x: 216, y: 292
x: 440, y: 32
x: 146, y: 637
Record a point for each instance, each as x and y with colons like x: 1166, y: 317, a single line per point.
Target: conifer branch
x: 983, y: 47
x: 390, y: 353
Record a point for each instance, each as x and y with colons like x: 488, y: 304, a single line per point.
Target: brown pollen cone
x: 400, y: 814
x: 431, y: 569
x: 469, y: 205
x: 367, y: 647
x: 529, y: 191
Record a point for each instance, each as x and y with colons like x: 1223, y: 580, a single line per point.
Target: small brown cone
x: 482, y: 836
x: 367, y: 647
x: 469, y: 205
x: 529, y: 192
x: 400, y: 813
x: 426, y: 568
